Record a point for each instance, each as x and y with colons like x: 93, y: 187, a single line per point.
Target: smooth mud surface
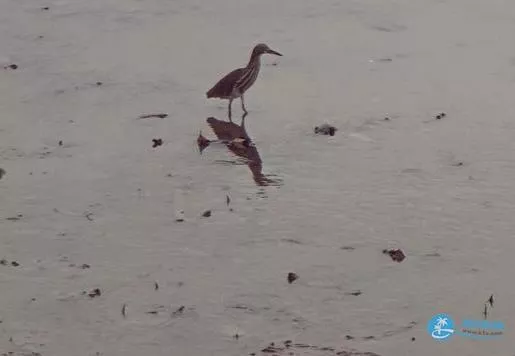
x: 118, y: 237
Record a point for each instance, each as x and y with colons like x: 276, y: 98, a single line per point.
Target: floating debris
x: 396, y: 254
x: 45, y: 8
x: 60, y: 143
x: 11, y: 66
x: 355, y: 293
x: 206, y: 213
x: 2, y: 173
x: 88, y: 215
x: 440, y: 116
x: 458, y: 164
x: 124, y: 310
x: 179, y: 310
x: 156, y: 286
x: 347, y: 248
x: 98, y: 84
x: 292, y: 277
x: 15, y: 264
x: 325, y: 129
x: 149, y: 116
x: 180, y: 216
x: 227, y: 200
x: 156, y: 142
x: 14, y: 218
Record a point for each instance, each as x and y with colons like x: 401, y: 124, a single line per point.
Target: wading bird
x: 236, y: 83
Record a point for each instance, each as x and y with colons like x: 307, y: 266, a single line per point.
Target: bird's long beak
x: 273, y: 52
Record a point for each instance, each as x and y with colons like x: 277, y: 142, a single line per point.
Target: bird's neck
x: 255, y: 60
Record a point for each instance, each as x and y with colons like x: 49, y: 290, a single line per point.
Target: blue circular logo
x: 441, y: 327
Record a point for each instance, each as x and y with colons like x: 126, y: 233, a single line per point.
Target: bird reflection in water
x: 236, y: 139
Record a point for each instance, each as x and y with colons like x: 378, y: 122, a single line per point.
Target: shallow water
x: 441, y: 190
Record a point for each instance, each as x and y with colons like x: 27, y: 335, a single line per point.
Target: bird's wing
x: 223, y: 89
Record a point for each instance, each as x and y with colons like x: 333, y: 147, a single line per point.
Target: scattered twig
x: 149, y: 116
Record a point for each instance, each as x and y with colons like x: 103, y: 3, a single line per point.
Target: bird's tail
x: 210, y: 93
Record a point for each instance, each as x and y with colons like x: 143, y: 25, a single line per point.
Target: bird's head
x: 262, y: 49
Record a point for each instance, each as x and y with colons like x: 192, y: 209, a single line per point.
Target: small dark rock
x: 441, y: 116
x: 396, y: 254
x: 386, y: 118
x: 3, y: 262
x: 11, y: 66
x: 356, y: 293
x: 60, y: 143
x: 349, y: 337
x: 236, y: 336
x: 84, y: 266
x: 206, y: 213
x: 98, y: 84
x: 95, y: 293
x: 156, y: 142
x: 325, y: 129
x: 458, y: 164
x: 2, y: 173
x: 413, y: 338
x: 15, y: 263
x: 156, y: 286
x: 45, y: 8
x: 292, y: 277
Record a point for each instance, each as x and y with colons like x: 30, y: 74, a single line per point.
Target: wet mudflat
x: 191, y: 254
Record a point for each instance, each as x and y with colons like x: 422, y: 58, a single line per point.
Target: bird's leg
x: 243, y: 120
x: 243, y: 104
x: 230, y: 114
